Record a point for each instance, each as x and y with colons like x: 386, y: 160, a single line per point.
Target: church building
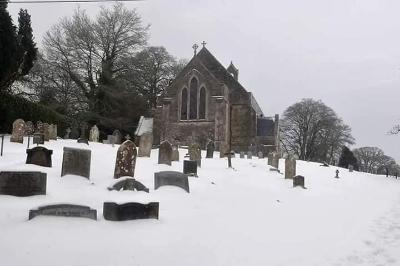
x: 207, y: 102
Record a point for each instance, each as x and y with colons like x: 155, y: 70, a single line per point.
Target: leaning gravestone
x: 128, y: 184
x: 39, y: 156
x: 53, y: 132
x: 290, y: 168
x: 145, y: 144
x: 64, y: 210
x: 190, y: 168
x: 46, y: 131
x: 126, y: 160
x: 171, y: 178
x: 38, y: 138
x: 117, y: 136
x: 23, y: 184
x: 165, y: 153
x: 76, y: 162
x: 94, y: 134
x: 29, y: 128
x: 210, y: 149
x: 18, y: 131
x: 298, y: 181
x: 175, y: 153
x: 130, y: 211
x: 195, y: 153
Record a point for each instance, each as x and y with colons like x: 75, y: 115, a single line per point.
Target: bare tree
x: 370, y: 158
x: 312, y: 131
x: 90, y: 51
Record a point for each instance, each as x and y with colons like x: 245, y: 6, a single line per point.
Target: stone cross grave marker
x: 126, y: 160
x: 76, y: 162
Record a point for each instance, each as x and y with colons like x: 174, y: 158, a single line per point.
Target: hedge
x: 14, y: 107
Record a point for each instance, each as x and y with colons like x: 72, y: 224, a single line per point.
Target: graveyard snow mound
x: 242, y: 216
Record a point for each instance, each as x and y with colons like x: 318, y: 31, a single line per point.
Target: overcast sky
x: 343, y: 52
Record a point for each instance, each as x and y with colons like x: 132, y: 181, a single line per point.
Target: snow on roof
x: 145, y: 126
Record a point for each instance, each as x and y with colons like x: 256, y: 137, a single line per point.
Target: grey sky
x: 344, y: 52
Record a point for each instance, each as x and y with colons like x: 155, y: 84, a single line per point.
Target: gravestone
x: 38, y: 138
x: 110, y: 139
x: 145, y: 145
x: 130, y: 211
x: 242, y: 155
x: 171, y: 178
x: 298, y: 181
x: 165, y: 153
x: 253, y: 149
x: 175, y: 153
x: 190, y: 168
x: 270, y: 158
x: 94, y: 134
x: 117, y: 136
x: 22, y: 184
x: 351, y: 168
x: 84, y: 127
x: 260, y: 155
x: 337, y: 173
x: 249, y: 155
x: 67, y: 133
x: 76, y: 162
x: 85, y: 141
x: 290, y: 168
x: 126, y: 160
x: 46, y: 131
x: 128, y: 184
x: 275, y: 160
x: 39, y: 127
x: 18, y: 131
x: 75, y: 134
x: 29, y: 128
x: 39, y: 156
x: 64, y: 210
x: 195, y: 153
x: 210, y: 149
x: 53, y: 132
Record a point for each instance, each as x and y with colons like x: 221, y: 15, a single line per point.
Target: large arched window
x: 202, y: 103
x: 193, y: 99
x: 184, y: 102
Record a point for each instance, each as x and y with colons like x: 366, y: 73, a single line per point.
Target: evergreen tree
x: 27, y: 46
x: 8, y: 46
x: 347, y: 158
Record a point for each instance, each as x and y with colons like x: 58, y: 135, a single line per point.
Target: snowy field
x: 245, y: 216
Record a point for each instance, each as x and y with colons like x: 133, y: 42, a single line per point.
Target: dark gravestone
x: 210, y: 149
x: 81, y: 140
x: 128, y: 184
x: 190, y: 168
x: 38, y: 138
x: 126, y: 160
x: 76, y: 162
x: 46, y: 132
x: 165, y: 153
x: 29, y: 128
x: 23, y: 184
x: 64, y: 210
x: 298, y: 181
x: 351, y: 168
x: 171, y: 178
x: 130, y: 211
x: 39, y: 156
x: 84, y: 128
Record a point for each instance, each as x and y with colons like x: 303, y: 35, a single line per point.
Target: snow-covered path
x: 246, y: 216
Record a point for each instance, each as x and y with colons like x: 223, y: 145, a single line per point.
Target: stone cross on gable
x: 204, y: 44
x: 195, y: 46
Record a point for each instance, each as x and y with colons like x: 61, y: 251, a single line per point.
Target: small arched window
x: 202, y: 103
x: 184, y: 102
x: 193, y: 99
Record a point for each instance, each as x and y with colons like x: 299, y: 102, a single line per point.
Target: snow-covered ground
x: 242, y: 216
